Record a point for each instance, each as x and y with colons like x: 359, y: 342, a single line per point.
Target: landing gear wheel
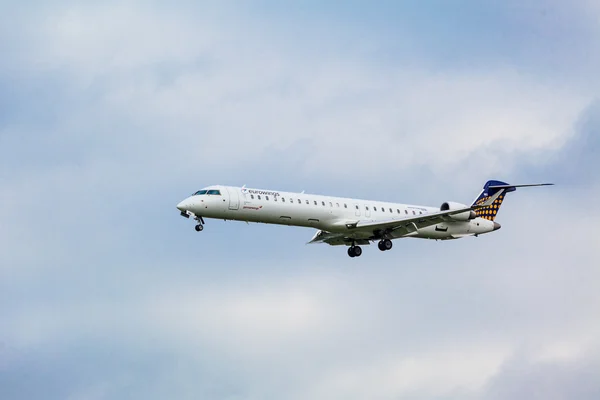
x: 354, y: 251
x: 387, y: 244
x: 199, y: 227
x: 357, y: 251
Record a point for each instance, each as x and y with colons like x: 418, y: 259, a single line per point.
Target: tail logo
x: 489, y: 212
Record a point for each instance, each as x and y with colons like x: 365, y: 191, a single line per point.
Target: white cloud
x: 329, y: 335
x: 191, y: 87
x: 155, y: 97
x: 358, y: 118
x: 250, y: 321
x: 432, y: 374
x: 91, y: 40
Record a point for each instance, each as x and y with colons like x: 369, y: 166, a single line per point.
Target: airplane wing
x: 400, y: 226
x: 336, y: 239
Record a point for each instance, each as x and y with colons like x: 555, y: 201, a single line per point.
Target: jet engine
x: 463, y: 216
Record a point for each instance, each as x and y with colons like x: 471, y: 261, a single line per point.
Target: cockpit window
x: 199, y: 192
x: 214, y: 192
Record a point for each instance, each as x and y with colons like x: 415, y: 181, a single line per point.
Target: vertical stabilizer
x: 489, y: 189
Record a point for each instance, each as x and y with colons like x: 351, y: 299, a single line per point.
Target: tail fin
x: 490, y: 211
x: 490, y: 189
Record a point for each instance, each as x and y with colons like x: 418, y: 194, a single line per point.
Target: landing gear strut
x: 200, y: 225
x: 354, y: 251
x: 384, y: 244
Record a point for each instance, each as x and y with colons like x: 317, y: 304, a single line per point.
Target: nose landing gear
x: 200, y: 226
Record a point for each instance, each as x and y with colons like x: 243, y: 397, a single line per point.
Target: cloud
x: 178, y: 91
x: 577, y: 161
x: 112, y: 113
x: 522, y: 377
x: 424, y: 324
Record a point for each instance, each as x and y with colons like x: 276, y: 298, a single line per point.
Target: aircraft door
x: 234, y: 199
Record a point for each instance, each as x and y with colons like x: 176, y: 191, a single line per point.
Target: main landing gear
x: 354, y: 251
x: 384, y: 244
x: 200, y: 226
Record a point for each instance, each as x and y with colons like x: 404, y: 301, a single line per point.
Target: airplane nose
x: 182, y: 205
x: 497, y: 226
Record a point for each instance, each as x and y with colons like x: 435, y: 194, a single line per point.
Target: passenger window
x: 392, y: 211
x: 315, y: 202
x: 258, y: 196
x: 420, y: 212
x: 275, y: 198
x: 414, y: 212
x: 323, y: 202
x: 367, y: 208
x: 291, y: 200
x: 397, y: 209
x: 299, y: 201
x: 374, y: 208
x: 406, y: 212
x: 307, y: 202
x: 283, y: 199
x: 330, y: 204
x: 337, y: 205
x: 345, y: 205
x: 252, y: 196
x: 267, y: 198
x: 356, y: 207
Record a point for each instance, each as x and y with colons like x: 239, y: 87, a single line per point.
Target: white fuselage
x: 330, y: 214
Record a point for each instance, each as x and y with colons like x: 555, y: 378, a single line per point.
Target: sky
x: 113, y: 112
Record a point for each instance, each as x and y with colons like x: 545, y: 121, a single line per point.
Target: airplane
x: 351, y: 222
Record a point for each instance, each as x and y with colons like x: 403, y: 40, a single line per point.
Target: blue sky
x: 112, y: 113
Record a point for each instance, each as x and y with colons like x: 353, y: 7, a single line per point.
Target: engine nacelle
x: 464, y: 216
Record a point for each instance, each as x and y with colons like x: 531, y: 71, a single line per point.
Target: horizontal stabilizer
x: 517, y: 186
